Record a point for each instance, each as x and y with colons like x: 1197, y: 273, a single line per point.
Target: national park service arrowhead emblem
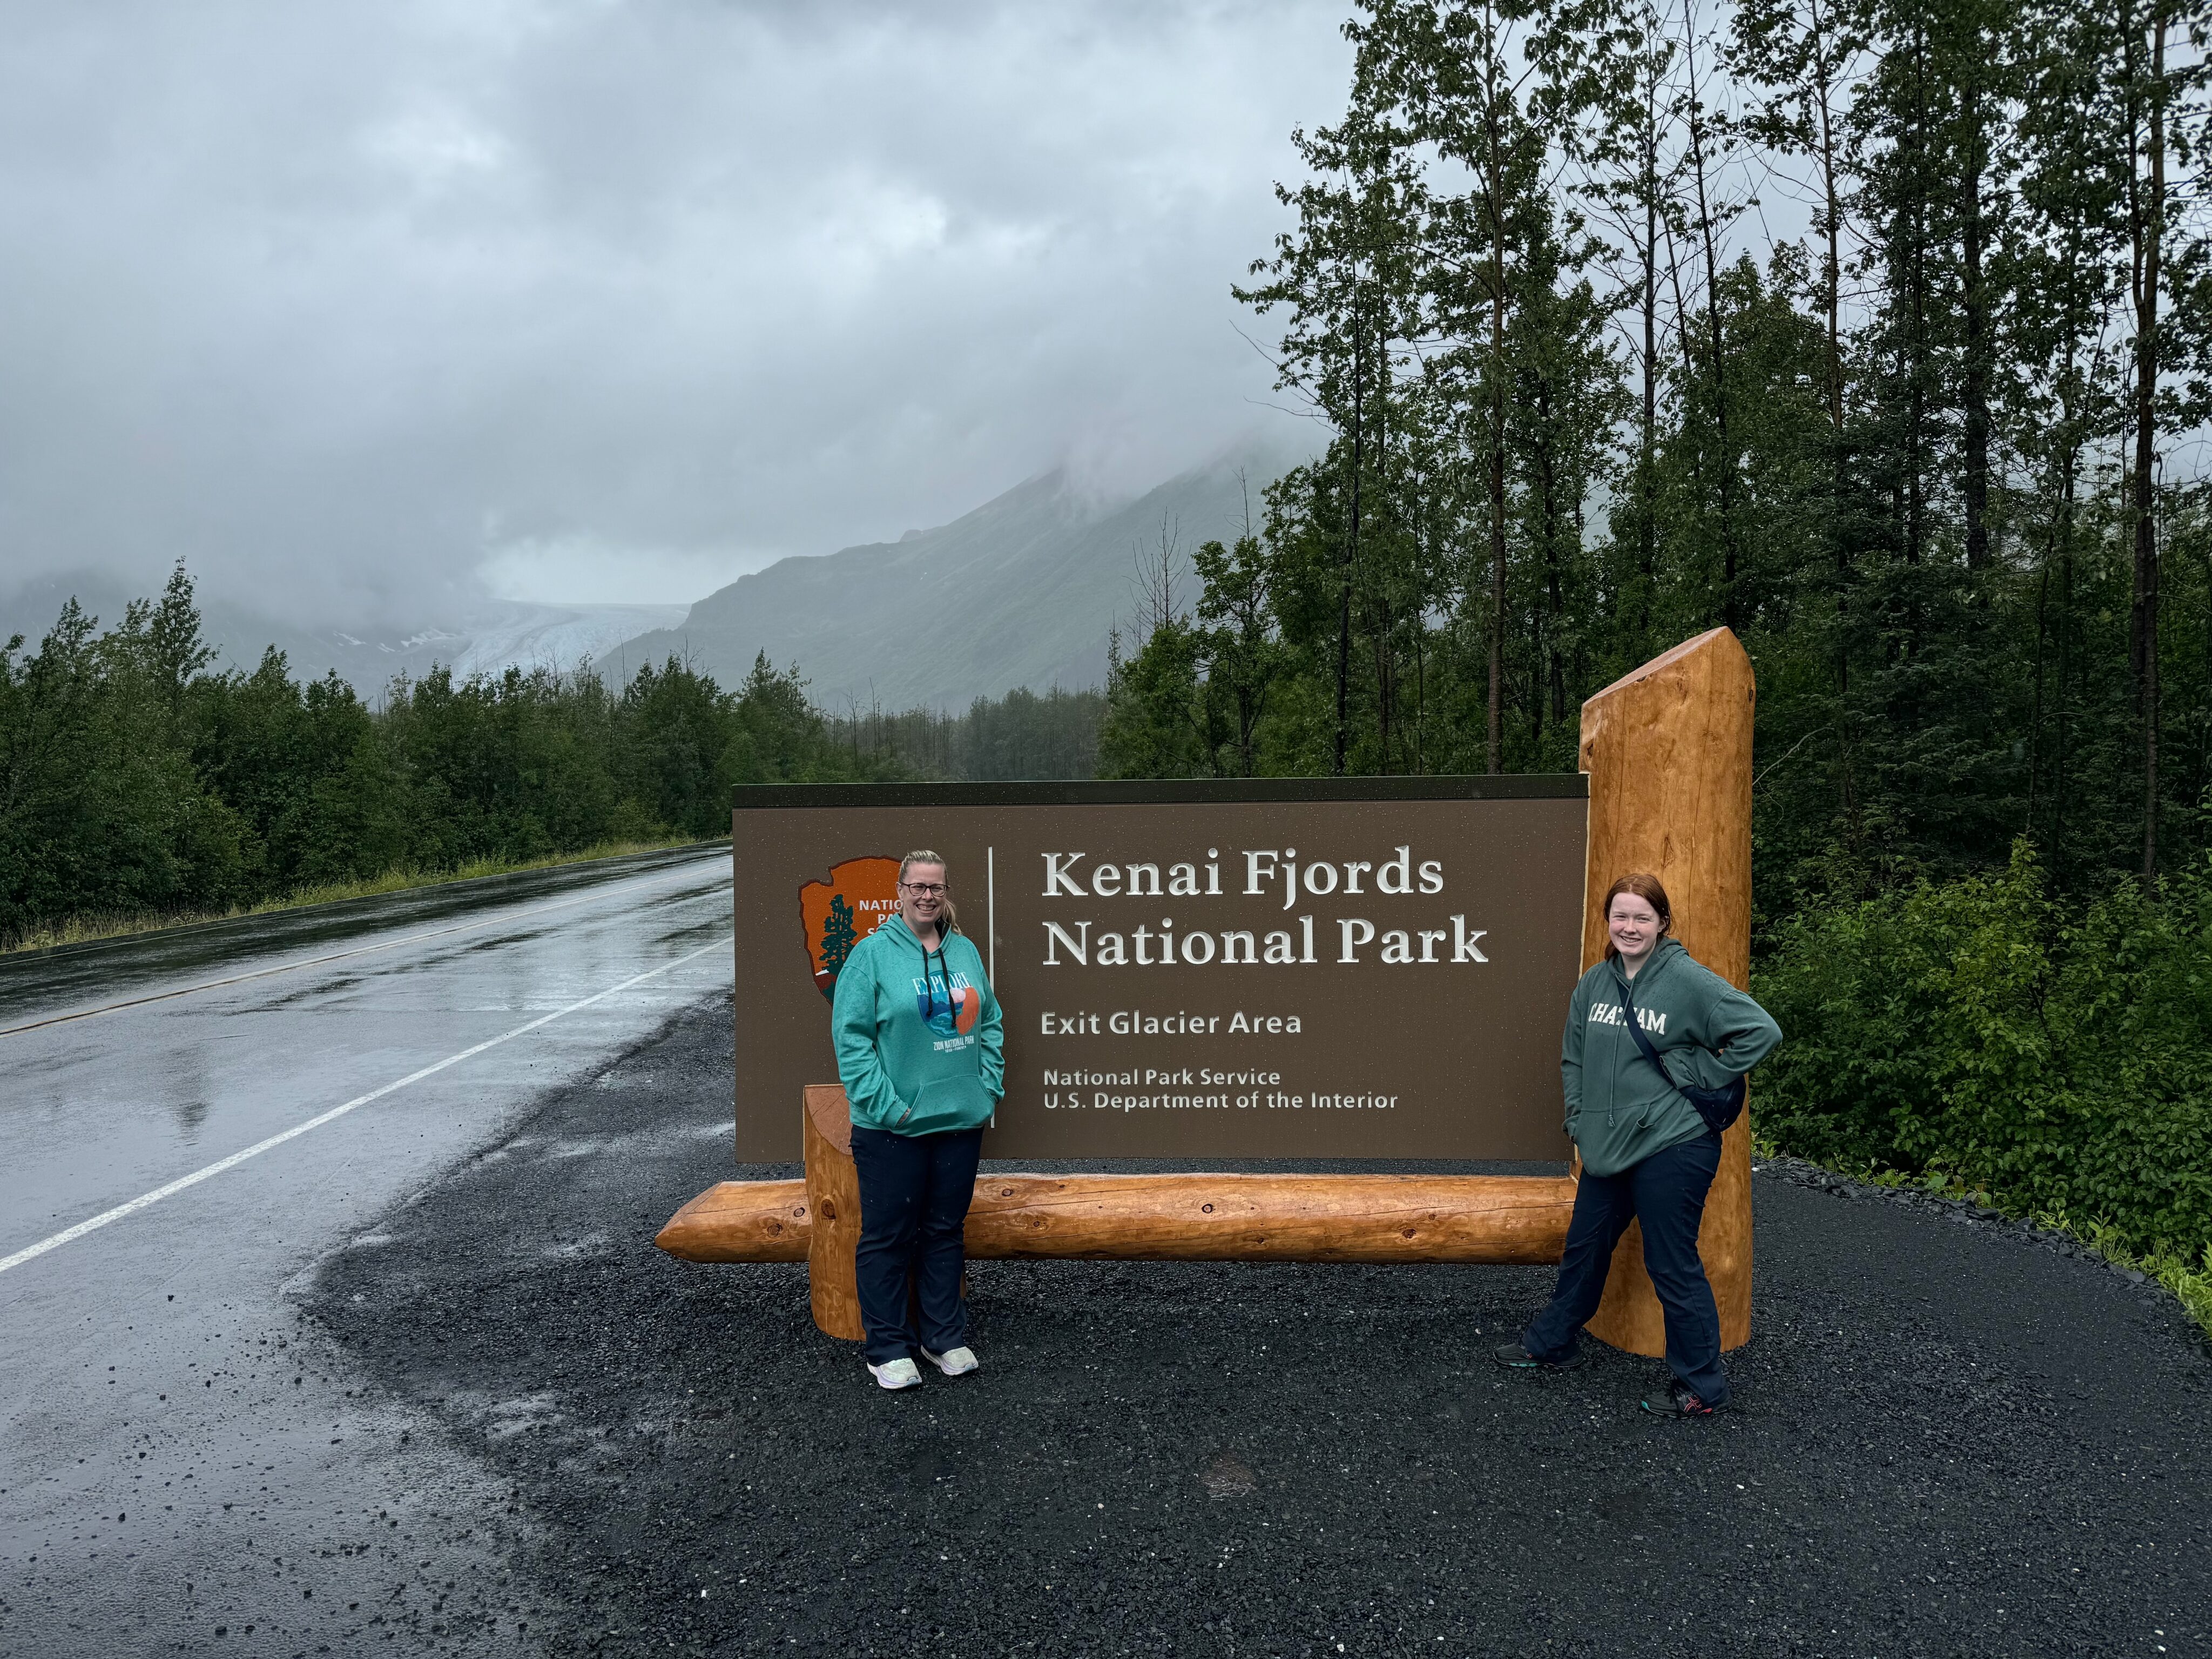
x: 861, y: 896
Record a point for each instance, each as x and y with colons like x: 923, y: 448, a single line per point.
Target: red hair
x: 1646, y: 888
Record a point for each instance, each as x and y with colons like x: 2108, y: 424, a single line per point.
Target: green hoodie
x: 1706, y: 1032
x: 920, y: 1046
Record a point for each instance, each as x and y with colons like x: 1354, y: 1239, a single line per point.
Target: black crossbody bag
x: 1718, y: 1106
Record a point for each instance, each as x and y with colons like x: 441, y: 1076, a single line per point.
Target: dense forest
x: 1023, y: 734
x: 139, y: 779
x: 1876, y: 331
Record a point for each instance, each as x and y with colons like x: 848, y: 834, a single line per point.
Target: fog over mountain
x: 486, y: 638
x: 1023, y: 591
x: 375, y: 313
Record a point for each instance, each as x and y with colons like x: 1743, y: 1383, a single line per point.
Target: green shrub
x: 1977, y: 1031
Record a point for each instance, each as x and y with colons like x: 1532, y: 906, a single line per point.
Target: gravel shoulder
x: 1950, y: 1435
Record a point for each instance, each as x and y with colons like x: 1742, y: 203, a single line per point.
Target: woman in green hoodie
x: 923, y: 1057
x: 1649, y: 1153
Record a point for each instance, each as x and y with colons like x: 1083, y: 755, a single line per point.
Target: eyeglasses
x: 925, y: 889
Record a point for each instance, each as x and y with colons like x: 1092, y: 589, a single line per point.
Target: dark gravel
x: 1949, y: 1436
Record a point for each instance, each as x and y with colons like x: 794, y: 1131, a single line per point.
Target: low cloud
x: 366, y: 308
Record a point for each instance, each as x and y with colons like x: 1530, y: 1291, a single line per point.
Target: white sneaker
x: 953, y: 1362
x: 900, y: 1373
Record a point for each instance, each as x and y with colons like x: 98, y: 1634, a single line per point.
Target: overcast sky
x: 355, y: 306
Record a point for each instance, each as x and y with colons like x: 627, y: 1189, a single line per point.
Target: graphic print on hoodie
x: 949, y: 1011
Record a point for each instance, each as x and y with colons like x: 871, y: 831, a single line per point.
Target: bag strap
x: 1628, y: 1008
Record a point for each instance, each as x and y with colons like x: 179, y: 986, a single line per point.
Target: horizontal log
x: 741, y: 1221
x: 1271, y: 1218
x: 1182, y: 1218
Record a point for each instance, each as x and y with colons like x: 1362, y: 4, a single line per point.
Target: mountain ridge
x: 1024, y: 590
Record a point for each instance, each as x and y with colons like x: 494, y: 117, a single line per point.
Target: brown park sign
x: 1282, y: 967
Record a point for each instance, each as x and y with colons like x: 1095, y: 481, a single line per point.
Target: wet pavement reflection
x: 151, y: 1429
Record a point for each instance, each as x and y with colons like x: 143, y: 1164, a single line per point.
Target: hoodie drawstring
x: 929, y: 985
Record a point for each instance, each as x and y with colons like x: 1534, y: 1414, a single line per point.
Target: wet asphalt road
x: 186, y: 1466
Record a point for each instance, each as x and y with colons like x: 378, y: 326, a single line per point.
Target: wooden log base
x: 1499, y: 1219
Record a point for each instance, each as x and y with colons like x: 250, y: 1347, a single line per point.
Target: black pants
x: 1666, y: 1192
x: 915, y: 1191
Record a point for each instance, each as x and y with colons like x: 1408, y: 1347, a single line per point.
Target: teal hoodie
x: 920, y: 1046
x: 1707, y: 1031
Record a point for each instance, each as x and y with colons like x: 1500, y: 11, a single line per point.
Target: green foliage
x: 1577, y: 411
x: 1982, y: 1030
x: 136, y: 780
x: 1198, y: 697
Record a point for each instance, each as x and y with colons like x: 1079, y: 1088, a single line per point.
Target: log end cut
x: 741, y: 1221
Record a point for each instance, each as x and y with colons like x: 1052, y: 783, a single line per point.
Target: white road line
x: 145, y: 1200
x: 316, y: 962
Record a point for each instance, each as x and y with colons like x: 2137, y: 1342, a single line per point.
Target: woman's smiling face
x: 921, y: 896
x: 1633, y: 925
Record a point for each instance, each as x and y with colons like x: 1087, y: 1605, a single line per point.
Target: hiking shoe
x: 898, y: 1374
x: 1515, y: 1357
x: 953, y: 1362
x: 1678, y: 1401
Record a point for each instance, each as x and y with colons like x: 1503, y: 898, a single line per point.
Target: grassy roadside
x: 2190, y: 1282
x: 82, y: 930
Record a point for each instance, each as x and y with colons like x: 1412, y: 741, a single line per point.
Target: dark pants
x: 1666, y: 1192
x: 915, y: 1191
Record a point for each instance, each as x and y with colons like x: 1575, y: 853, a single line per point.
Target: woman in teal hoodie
x: 923, y: 1057
x: 1649, y: 1153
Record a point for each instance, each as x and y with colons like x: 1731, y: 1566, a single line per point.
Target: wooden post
x: 832, y: 1197
x: 1669, y: 753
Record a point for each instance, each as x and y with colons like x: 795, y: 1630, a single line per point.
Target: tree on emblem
x: 837, y: 936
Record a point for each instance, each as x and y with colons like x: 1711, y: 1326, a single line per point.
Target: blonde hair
x: 949, y: 922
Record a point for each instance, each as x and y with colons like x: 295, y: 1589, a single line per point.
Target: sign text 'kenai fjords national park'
x: 1291, y: 967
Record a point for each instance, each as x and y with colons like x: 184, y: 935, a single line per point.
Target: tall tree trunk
x: 1916, y: 347
x: 1351, y: 547
x: 1831, y: 294
x: 1976, y: 389
x: 1832, y: 215
x: 2060, y: 778
x: 1647, y: 479
x: 1731, y: 610
x: 2035, y: 714
x: 1689, y: 350
x: 1548, y: 482
x: 1496, y: 184
x: 2147, y: 222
